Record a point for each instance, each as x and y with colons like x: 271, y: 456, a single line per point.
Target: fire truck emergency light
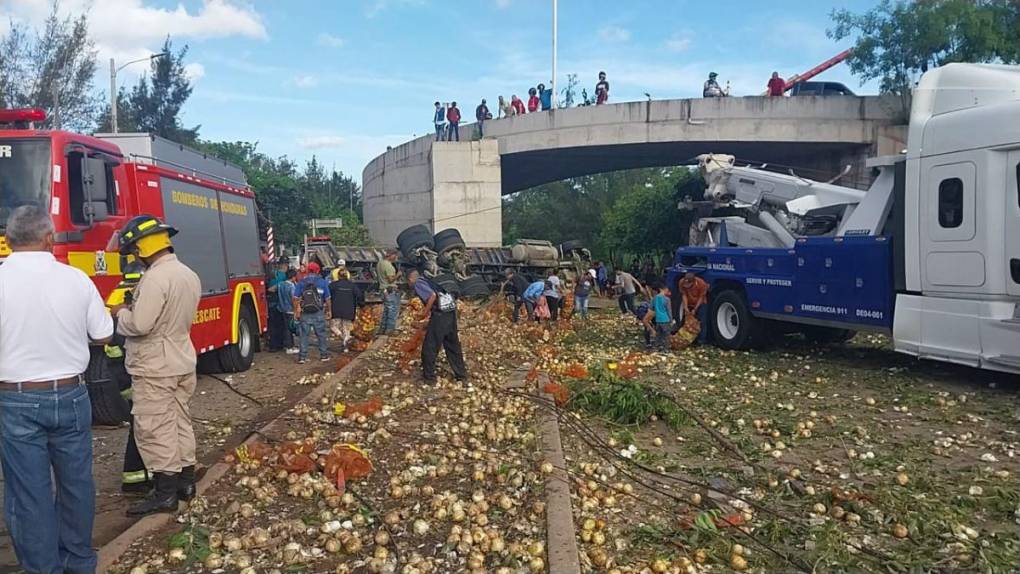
x: 22, y: 115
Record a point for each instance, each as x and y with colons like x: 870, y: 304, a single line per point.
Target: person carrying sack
x: 441, y: 312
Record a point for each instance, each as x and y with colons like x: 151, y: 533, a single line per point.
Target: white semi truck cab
x: 929, y: 254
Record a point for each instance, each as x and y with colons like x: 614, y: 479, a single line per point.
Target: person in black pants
x: 277, y: 323
x: 516, y: 284
x: 441, y: 312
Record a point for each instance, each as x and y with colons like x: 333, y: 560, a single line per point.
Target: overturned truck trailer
x: 470, y: 272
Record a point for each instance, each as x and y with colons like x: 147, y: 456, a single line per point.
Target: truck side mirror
x: 96, y: 190
x: 95, y: 211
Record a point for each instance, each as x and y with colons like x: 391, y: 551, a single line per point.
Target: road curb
x: 561, y: 540
x: 114, y: 549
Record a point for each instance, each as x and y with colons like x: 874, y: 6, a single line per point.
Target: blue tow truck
x: 929, y: 254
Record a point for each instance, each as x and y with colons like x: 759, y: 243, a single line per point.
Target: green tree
x: 897, y: 41
x: 154, y: 104
x: 52, y: 68
x: 568, y: 209
x: 288, y: 197
x: 645, y: 220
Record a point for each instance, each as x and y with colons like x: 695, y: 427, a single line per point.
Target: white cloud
x: 330, y: 41
x: 130, y: 29
x: 612, y: 33
x: 679, y: 42
x: 194, y: 71
x: 321, y: 141
x: 305, y: 81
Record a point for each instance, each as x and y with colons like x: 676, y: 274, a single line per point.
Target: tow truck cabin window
x: 24, y: 174
x: 951, y: 203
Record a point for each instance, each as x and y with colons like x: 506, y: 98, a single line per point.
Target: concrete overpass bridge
x: 461, y: 184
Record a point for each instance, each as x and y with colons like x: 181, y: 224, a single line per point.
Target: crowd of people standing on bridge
x: 447, y: 116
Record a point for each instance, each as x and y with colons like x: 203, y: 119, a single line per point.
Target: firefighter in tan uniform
x: 161, y: 360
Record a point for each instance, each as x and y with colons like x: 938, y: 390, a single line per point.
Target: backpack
x: 311, y: 301
x: 445, y: 302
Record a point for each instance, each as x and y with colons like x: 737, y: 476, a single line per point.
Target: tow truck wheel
x: 239, y: 356
x: 732, y: 322
x: 109, y: 407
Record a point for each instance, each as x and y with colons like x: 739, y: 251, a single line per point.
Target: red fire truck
x: 92, y: 185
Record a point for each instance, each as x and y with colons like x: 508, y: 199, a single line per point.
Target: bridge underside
x: 812, y: 160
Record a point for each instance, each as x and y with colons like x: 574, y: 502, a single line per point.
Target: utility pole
x: 113, y: 96
x: 555, y: 96
x: 113, y: 85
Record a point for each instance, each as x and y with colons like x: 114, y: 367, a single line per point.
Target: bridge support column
x: 467, y: 191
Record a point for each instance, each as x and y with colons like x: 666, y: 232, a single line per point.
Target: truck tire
x: 448, y: 282
x: 567, y: 246
x: 109, y: 407
x: 412, y: 238
x: 733, y: 326
x: 448, y: 240
x: 826, y: 335
x: 239, y: 356
x: 474, y: 287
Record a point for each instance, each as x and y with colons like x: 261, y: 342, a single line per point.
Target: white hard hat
x: 341, y: 263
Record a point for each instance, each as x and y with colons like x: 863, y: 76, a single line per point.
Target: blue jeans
x: 50, y: 525
x: 453, y: 132
x: 390, y: 312
x: 440, y: 132
x: 581, y: 305
x: 313, y: 322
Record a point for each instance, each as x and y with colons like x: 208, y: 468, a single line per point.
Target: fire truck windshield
x: 24, y: 174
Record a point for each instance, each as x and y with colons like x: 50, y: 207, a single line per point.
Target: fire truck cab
x: 92, y: 185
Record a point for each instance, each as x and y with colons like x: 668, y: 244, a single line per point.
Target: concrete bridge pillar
x: 439, y: 184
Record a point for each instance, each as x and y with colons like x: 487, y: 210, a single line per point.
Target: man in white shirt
x: 48, y: 313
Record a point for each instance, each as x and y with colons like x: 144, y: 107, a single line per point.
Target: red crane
x: 798, y: 78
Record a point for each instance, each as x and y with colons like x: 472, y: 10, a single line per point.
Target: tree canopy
x: 51, y: 68
x: 289, y: 196
x: 630, y: 213
x: 899, y: 40
x: 154, y: 104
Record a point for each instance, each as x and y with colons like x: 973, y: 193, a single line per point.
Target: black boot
x: 163, y: 498
x: 186, y: 484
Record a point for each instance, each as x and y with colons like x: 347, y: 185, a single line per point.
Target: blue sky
x: 343, y: 79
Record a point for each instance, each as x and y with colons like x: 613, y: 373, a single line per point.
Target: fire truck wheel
x: 448, y: 240
x: 732, y: 323
x: 412, y: 238
x: 240, y: 355
x: 827, y: 335
x: 474, y: 287
x: 109, y: 407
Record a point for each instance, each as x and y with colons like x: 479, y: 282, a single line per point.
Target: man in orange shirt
x: 694, y: 292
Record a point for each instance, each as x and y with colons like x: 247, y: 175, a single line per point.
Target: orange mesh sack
x: 348, y: 459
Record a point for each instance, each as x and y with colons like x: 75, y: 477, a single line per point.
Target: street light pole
x: 113, y: 95
x: 113, y: 85
x: 555, y: 95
